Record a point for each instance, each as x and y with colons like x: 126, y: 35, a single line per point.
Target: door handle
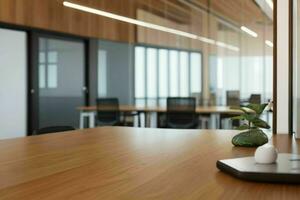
x: 84, y: 89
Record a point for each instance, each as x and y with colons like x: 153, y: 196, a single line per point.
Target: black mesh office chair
x: 54, y: 129
x: 108, y: 113
x: 232, y: 100
x: 255, y: 99
x: 181, y: 113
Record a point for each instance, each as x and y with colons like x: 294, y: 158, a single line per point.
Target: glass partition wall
x: 61, y: 81
x: 203, y: 49
x: 162, y: 73
x: 151, y: 50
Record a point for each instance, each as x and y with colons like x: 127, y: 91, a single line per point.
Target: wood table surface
x: 199, y: 109
x: 131, y: 163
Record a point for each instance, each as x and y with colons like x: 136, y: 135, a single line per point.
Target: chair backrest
x: 233, y: 98
x: 108, y: 112
x: 198, y: 97
x: 54, y: 129
x: 212, y: 100
x: 181, y: 112
x: 255, y: 98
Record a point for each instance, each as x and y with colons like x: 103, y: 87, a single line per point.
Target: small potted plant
x: 251, y: 135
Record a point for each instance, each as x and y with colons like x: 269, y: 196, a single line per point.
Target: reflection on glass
x: 52, y: 76
x: 52, y: 57
x: 42, y: 57
x: 61, y: 80
x: 196, y: 73
x: 169, y: 70
x: 139, y: 72
x: 102, y: 73
x: 151, y: 73
x: 184, y: 74
x: 42, y: 76
x: 174, y: 73
x: 163, y: 73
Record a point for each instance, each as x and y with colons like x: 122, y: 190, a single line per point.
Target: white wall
x: 282, y: 66
x: 13, y: 85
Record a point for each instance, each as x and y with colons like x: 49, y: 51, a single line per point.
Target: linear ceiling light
x: 141, y: 23
x: 270, y: 3
x: 269, y: 43
x: 227, y: 46
x: 248, y: 31
x: 129, y: 20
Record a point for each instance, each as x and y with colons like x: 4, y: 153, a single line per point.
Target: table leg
x: 147, y: 119
x: 153, y: 119
x: 139, y: 119
x: 81, y: 120
x: 215, y: 120
x: 91, y: 120
x: 218, y: 120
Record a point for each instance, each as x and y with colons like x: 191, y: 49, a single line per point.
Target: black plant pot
x: 250, y: 138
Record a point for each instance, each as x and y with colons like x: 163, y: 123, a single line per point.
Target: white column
x: 282, y: 66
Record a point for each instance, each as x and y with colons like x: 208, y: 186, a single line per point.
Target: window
x: 140, y: 75
x: 247, y: 74
x: 161, y: 72
x: 102, y: 73
x: 48, y: 69
x: 195, y: 73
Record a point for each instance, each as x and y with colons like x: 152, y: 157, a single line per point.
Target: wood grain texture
x: 199, y: 109
x: 131, y: 163
x: 52, y: 15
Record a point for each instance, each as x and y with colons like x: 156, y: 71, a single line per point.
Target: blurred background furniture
x: 181, y: 112
x: 232, y: 100
x: 108, y: 113
x: 255, y: 99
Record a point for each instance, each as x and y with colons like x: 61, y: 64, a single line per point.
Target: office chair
x: 54, y: 129
x: 255, y: 99
x: 181, y: 113
x: 232, y: 100
x: 108, y: 113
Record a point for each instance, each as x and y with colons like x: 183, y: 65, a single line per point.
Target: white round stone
x: 265, y: 154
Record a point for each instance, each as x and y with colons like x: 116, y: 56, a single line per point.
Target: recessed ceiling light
x: 248, y: 31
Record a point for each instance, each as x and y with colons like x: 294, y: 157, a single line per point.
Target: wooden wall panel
x: 52, y: 15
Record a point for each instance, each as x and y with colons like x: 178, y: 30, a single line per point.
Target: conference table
x: 150, y: 113
x: 131, y: 163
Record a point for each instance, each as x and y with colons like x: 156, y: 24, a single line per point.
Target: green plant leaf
x: 239, y: 108
x: 243, y: 127
x: 241, y: 117
x: 249, y: 117
x: 260, y: 123
x: 258, y: 108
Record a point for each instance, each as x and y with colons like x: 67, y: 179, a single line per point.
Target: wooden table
x: 151, y: 111
x: 131, y: 163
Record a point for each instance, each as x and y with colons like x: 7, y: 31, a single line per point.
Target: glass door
x: 60, y: 71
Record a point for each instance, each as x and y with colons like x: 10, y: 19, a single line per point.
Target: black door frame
x: 32, y: 63
x: 34, y: 73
